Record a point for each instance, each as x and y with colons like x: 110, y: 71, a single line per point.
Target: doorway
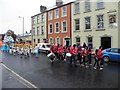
x: 106, y: 42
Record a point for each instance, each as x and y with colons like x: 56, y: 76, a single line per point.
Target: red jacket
x: 99, y: 54
x: 60, y: 50
x: 73, y: 51
x: 55, y: 48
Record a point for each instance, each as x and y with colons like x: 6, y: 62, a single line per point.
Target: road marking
x: 21, y: 79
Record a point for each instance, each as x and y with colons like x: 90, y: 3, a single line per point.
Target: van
x: 44, y: 47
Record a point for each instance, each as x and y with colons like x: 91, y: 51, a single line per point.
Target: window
x: 112, y: 19
x: 114, y: 50
x: 57, y: 13
x: 51, y: 40
x: 64, y: 25
x: 100, y: 22
x: 87, y: 5
x: 77, y: 8
x: 33, y: 32
x: 38, y: 40
x: 90, y: 42
x: 38, y: 30
x: 42, y: 29
x: 77, y: 24
x: 38, y: 19
x: 42, y: 18
x: 33, y: 20
x: 57, y: 41
x: 64, y: 11
x: 77, y: 40
x: 50, y: 28
x: 100, y: 4
x: 87, y: 23
x: 56, y: 27
x: 50, y: 15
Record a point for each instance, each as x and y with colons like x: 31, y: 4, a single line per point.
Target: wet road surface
x: 40, y: 72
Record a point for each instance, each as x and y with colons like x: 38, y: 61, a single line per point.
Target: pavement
x: 41, y: 73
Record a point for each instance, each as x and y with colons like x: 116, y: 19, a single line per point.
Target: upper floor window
x: 77, y: 8
x: 33, y: 20
x: 42, y: 18
x: 50, y: 16
x: 100, y: 4
x: 100, y: 21
x: 38, y: 19
x: 50, y: 28
x: 38, y: 30
x: 77, y: 24
x: 56, y: 27
x: 64, y: 26
x: 64, y: 11
x: 42, y: 29
x: 57, y: 13
x: 87, y: 23
x: 87, y: 5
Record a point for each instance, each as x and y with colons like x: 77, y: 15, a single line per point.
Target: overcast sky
x: 11, y: 9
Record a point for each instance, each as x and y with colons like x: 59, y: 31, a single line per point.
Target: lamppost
x: 23, y: 23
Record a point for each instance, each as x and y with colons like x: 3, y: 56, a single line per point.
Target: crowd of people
x: 75, y: 53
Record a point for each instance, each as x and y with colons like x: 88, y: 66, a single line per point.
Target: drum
x: 68, y: 54
x: 51, y: 56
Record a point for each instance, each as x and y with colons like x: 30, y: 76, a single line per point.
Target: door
x: 67, y: 43
x: 106, y: 42
x: 114, y: 54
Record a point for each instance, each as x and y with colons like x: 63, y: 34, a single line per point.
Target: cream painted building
x: 39, y: 27
x: 96, y: 23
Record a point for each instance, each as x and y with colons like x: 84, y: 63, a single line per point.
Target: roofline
x: 52, y: 9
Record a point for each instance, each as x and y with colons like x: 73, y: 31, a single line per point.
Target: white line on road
x: 17, y: 75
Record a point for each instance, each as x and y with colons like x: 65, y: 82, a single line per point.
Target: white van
x: 44, y: 47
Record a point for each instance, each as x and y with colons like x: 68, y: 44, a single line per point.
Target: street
x: 42, y: 74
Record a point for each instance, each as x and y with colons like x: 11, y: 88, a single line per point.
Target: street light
x: 23, y: 23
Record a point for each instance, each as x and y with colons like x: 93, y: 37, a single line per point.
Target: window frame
x: 76, y: 9
x: 63, y: 27
x: 56, y: 14
x: 86, y: 23
x: 50, y: 28
x: 86, y: 5
x: 98, y: 2
x: 90, y: 43
x: 50, y: 15
x: 57, y: 27
x: 42, y: 30
x: 64, y: 11
x: 100, y: 21
x: 38, y: 30
x: 77, y: 24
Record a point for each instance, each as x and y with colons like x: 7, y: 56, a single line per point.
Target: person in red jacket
x: 73, y: 51
x: 79, y: 50
x: 100, y: 57
x: 96, y: 59
x: 55, y: 51
x: 89, y: 52
x: 83, y: 54
x: 60, y: 52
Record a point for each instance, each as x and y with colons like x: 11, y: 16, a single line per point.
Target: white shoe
x: 90, y: 64
x: 94, y: 67
x: 101, y: 68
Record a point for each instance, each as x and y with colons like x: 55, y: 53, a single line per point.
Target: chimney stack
x: 59, y: 2
x: 43, y: 8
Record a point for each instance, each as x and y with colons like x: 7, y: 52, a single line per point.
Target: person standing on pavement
x: 36, y: 50
x: 79, y: 50
x: 100, y: 57
x: 73, y: 51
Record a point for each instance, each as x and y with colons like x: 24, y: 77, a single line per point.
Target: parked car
x: 44, y: 47
x: 111, y: 54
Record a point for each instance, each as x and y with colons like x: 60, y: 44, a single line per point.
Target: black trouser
x: 84, y: 61
x: 80, y: 59
x: 89, y: 58
x: 96, y: 62
x: 101, y: 62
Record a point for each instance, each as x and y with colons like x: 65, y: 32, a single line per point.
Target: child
x: 36, y: 50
